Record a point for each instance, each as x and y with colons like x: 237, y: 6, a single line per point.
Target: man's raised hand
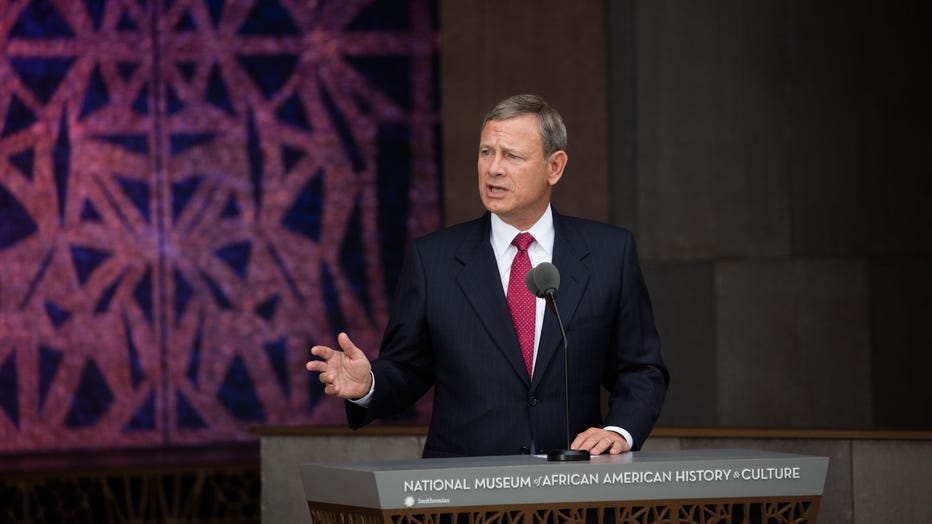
x: 346, y: 373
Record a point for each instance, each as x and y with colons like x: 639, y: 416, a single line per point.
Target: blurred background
x: 193, y: 192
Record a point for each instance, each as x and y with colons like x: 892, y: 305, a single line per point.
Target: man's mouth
x: 496, y: 189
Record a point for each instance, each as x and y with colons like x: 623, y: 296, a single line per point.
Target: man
x: 463, y: 321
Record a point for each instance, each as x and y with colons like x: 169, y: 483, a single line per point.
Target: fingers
x: 323, y: 354
x: 597, y: 441
x: 329, y: 380
x: 348, y: 347
x: 587, y: 439
x: 345, y: 371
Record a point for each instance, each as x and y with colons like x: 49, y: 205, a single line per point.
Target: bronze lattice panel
x: 227, y: 495
x: 789, y: 510
x: 192, y: 193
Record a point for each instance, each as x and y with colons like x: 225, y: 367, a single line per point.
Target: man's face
x: 514, y: 177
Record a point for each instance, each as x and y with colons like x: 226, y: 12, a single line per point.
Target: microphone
x: 543, y: 281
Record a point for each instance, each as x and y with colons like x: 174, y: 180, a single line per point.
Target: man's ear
x: 555, y: 165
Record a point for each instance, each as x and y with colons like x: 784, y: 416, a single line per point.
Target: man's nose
x: 496, y: 167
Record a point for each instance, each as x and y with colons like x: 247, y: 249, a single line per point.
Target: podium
x: 708, y: 486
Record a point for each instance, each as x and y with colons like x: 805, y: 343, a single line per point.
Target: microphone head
x: 531, y: 285
x: 546, y: 279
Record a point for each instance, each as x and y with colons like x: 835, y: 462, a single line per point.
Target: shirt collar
x: 542, y: 231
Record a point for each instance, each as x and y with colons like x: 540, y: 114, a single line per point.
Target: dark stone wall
x: 772, y: 157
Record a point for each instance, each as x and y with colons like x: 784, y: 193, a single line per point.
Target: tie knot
x: 522, y: 241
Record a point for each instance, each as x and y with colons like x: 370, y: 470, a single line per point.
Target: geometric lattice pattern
x: 193, y: 192
x: 228, y: 495
x: 784, y: 510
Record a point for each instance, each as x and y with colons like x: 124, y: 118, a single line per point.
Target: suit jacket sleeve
x: 404, y: 370
x: 635, y: 374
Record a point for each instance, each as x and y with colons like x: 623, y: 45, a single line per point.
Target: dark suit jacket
x: 450, y: 328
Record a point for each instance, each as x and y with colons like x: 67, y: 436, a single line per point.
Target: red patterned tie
x: 521, y: 302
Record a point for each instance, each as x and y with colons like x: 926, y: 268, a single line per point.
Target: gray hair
x: 552, y: 128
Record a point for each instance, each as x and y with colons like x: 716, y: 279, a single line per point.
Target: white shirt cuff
x: 627, y: 436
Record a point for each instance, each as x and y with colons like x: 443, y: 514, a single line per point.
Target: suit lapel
x: 480, y: 282
x: 568, y: 251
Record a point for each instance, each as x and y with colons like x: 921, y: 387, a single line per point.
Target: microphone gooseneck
x: 543, y: 281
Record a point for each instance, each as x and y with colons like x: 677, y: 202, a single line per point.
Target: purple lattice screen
x: 192, y: 192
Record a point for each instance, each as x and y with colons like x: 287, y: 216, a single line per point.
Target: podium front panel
x: 525, y: 483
